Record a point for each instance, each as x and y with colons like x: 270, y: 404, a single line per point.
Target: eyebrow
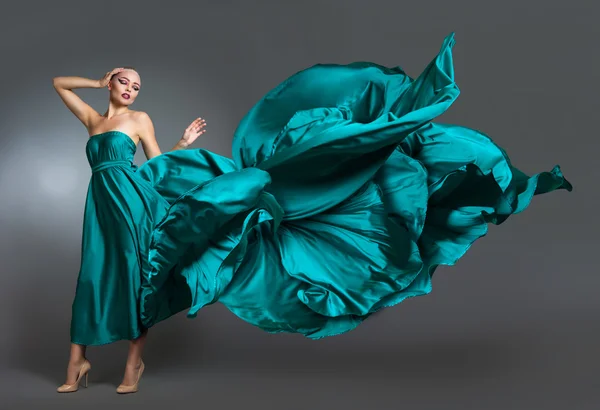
x: 129, y: 80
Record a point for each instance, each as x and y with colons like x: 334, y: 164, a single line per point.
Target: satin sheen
x: 341, y: 198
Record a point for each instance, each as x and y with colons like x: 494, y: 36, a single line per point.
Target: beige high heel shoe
x: 83, y: 371
x: 122, y: 389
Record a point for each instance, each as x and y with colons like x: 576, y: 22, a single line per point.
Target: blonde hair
x: 126, y: 68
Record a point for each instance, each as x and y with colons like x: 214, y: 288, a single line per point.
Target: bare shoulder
x: 139, y: 114
x: 146, y: 134
x: 95, y: 121
x: 142, y: 118
x: 145, y: 125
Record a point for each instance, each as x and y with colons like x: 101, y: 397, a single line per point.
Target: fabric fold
x: 341, y: 198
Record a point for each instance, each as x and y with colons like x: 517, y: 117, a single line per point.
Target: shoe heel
x: 83, y: 373
x: 123, y: 389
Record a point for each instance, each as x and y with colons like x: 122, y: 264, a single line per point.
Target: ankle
x: 135, y: 363
x: 77, y: 361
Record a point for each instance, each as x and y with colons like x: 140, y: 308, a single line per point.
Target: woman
x: 342, y: 198
x: 99, y: 267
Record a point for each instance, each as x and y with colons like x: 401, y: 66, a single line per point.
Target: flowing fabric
x: 341, y: 198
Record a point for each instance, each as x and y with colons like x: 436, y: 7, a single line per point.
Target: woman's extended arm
x: 148, y: 138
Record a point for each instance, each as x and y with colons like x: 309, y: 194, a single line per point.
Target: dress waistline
x: 108, y: 164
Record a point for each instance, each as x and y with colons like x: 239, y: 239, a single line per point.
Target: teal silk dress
x: 342, y: 197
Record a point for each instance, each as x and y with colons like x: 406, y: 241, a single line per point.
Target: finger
x: 195, y: 123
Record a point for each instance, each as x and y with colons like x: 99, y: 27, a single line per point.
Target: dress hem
x: 117, y: 339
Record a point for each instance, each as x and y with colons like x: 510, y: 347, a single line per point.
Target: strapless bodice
x: 108, y: 149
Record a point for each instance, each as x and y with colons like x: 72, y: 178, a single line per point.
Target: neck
x: 114, y: 110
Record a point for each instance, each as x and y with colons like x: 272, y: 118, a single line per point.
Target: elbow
x: 56, y: 82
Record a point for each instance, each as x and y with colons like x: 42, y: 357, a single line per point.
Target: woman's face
x: 124, y: 87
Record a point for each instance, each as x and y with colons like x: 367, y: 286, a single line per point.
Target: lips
x: 125, y: 95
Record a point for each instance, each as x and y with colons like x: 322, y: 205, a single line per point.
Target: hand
x: 193, y: 131
x: 103, y: 82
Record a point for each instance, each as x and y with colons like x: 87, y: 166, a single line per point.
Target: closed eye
x: 125, y: 82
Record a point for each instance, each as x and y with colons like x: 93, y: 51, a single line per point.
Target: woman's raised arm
x: 64, y: 87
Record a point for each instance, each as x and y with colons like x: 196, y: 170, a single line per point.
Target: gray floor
x: 549, y: 364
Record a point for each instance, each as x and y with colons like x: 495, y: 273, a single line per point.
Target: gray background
x: 513, y: 326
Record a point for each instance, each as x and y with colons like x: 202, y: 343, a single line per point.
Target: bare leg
x: 76, y: 359
x: 134, y: 359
